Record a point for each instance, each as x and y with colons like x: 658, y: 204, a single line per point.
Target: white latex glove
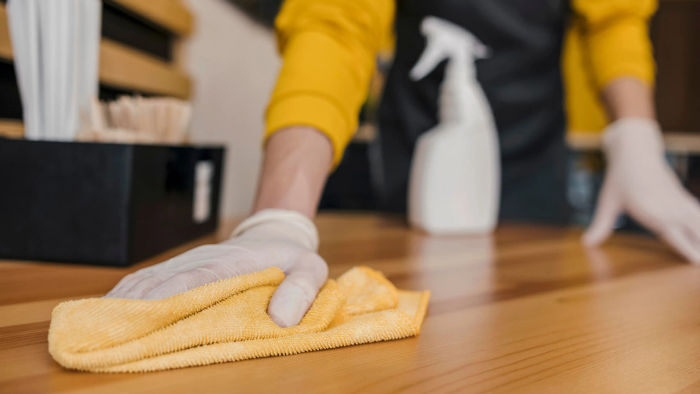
x: 270, y: 238
x: 638, y: 181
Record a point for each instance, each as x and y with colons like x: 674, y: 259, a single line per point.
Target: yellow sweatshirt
x: 329, y: 49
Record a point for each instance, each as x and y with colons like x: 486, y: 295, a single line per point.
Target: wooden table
x: 529, y: 311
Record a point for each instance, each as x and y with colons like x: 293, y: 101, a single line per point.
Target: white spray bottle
x: 455, y: 177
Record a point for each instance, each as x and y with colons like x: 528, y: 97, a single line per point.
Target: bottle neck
x: 457, y: 91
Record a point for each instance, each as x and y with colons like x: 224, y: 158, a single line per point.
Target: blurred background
x: 220, y: 55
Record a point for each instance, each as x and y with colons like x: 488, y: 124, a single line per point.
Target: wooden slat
x: 11, y: 128
x: 584, y: 141
x: 170, y: 14
x: 5, y: 43
x: 126, y: 68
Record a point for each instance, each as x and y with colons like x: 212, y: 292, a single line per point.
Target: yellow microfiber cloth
x: 228, y: 321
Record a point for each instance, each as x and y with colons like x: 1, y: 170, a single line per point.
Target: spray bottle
x: 455, y: 176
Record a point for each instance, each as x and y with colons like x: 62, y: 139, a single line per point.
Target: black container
x: 96, y: 203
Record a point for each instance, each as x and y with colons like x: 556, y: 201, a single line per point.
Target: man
x: 329, y: 49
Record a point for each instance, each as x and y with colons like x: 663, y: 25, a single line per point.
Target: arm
x: 628, y: 97
x: 638, y: 180
x: 279, y: 234
x: 295, y: 168
x: 329, y: 49
x: 615, y: 39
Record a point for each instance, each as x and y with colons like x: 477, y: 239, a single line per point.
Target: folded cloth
x: 228, y: 321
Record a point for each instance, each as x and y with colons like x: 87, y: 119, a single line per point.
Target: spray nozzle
x: 447, y: 40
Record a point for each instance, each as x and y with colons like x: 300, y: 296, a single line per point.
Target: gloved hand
x: 638, y: 181
x: 270, y: 238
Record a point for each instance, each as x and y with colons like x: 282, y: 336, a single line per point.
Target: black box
x: 97, y: 203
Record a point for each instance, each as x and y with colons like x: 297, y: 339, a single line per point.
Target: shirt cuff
x: 309, y: 110
x: 622, y: 49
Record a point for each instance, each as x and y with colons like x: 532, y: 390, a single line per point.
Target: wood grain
x: 528, y: 310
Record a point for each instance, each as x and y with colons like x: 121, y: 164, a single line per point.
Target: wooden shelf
x: 675, y: 142
x: 679, y: 143
x: 126, y: 68
x: 11, y: 128
x: 123, y: 67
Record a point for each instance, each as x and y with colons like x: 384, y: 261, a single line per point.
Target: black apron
x: 522, y: 82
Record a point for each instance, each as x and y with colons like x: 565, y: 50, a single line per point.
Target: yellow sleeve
x: 606, y: 39
x: 328, y: 49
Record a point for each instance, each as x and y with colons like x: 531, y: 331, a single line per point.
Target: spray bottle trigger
x: 431, y: 57
x: 481, y: 51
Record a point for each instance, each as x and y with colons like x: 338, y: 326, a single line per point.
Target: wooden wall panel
x: 675, y: 33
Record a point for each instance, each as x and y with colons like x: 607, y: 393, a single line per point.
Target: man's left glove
x: 639, y: 182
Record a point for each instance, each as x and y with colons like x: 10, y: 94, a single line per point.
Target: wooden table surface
x: 527, y: 311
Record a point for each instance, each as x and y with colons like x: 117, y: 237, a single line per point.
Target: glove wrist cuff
x: 633, y: 131
x: 281, y: 223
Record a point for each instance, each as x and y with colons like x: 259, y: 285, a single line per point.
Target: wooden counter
x: 529, y: 311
